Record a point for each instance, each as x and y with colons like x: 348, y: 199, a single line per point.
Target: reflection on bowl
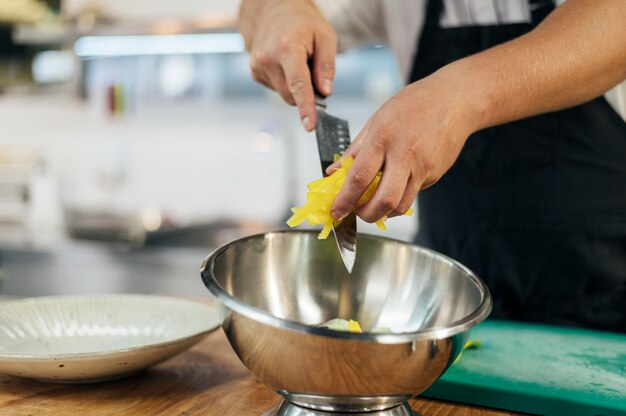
x: 276, y: 288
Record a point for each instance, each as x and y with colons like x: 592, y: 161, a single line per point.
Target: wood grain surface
x: 207, y: 380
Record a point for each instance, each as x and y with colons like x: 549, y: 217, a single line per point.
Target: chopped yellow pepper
x: 471, y: 344
x: 353, y: 326
x: 322, y: 194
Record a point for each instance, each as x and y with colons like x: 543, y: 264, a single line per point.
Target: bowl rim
x: 70, y: 356
x: 476, y: 316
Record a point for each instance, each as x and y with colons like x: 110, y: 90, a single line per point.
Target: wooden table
x: 206, y: 380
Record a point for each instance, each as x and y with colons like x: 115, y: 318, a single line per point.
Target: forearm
x: 576, y: 54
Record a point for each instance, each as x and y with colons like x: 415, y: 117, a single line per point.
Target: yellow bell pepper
x: 322, y: 194
x: 471, y: 344
x: 353, y: 326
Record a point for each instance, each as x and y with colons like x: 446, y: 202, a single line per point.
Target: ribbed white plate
x: 87, y: 338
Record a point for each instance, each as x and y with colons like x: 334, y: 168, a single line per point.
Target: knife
x: 333, y: 137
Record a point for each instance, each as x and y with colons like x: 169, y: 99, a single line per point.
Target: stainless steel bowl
x: 276, y: 288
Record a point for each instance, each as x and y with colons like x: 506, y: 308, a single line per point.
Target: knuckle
x: 341, y: 206
x: 369, y: 218
x: 360, y: 179
x: 284, y: 44
x: 259, y: 60
x: 388, y: 203
x: 428, y: 165
x: 395, y: 213
x: 297, y: 86
x: 401, y: 209
x: 390, y: 129
x: 430, y: 181
x: 384, y: 133
x: 379, y: 142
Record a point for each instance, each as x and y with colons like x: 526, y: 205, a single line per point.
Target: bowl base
x: 287, y: 408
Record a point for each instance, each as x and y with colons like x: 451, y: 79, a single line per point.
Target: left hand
x: 414, y: 138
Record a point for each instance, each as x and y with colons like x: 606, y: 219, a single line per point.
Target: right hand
x: 281, y: 37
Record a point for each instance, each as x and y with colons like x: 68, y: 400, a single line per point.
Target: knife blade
x: 333, y: 137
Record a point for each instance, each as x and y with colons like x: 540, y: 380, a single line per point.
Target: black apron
x: 536, y: 207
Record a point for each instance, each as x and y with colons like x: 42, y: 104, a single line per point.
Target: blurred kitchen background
x: 133, y: 141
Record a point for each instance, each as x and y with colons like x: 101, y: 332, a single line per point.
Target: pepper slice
x: 322, y: 194
x: 353, y: 326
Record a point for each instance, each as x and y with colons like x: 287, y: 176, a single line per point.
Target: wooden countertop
x: 206, y: 380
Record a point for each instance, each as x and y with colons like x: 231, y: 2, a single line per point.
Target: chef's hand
x: 281, y: 37
x: 413, y: 138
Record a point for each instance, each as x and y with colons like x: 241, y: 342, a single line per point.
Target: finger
x: 274, y: 79
x: 324, y: 62
x: 279, y: 83
x: 298, y: 78
x: 259, y: 62
x: 389, y: 193
x: 428, y: 182
x: 362, y: 172
x: 352, y: 150
x: 260, y: 77
x: 413, y: 187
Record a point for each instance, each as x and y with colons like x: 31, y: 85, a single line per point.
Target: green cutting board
x: 539, y: 369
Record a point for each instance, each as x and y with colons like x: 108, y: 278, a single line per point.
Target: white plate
x: 87, y: 338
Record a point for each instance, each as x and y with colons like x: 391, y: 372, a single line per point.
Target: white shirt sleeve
x: 356, y: 22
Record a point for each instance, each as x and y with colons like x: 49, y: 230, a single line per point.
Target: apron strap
x: 434, y: 10
x: 539, y: 9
